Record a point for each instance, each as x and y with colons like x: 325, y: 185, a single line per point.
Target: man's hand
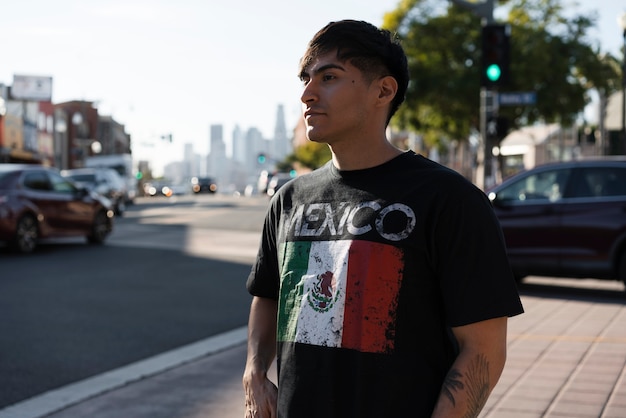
x: 260, y: 393
x: 261, y: 396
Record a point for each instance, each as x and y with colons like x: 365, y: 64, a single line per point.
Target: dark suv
x: 203, y: 185
x: 566, y: 219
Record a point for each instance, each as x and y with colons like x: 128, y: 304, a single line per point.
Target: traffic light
x: 261, y: 158
x: 494, y: 71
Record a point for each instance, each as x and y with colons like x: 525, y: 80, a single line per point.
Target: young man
x: 382, y: 282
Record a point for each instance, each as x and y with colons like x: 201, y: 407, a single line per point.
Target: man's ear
x: 387, y: 89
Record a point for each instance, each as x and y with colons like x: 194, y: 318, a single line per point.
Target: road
x: 172, y: 273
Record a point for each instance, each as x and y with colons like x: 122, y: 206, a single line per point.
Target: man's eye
x: 328, y: 77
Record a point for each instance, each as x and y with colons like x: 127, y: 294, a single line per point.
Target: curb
x: 74, y: 393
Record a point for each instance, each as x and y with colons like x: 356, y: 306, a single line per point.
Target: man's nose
x: 309, y: 93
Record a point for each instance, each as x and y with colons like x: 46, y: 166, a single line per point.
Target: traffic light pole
x: 484, y: 157
x: 486, y: 169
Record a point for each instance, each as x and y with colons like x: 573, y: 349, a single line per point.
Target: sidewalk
x: 567, y: 358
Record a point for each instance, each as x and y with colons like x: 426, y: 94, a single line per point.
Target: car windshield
x: 547, y: 186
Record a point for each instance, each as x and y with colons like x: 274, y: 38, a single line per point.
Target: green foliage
x: 550, y: 54
x: 311, y: 155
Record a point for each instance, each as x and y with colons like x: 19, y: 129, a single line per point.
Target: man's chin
x: 314, y: 136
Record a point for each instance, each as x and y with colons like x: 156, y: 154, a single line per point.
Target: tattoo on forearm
x: 451, y: 384
x: 475, y: 383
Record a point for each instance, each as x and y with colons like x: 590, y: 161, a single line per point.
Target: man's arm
x: 476, y: 370
x: 260, y: 392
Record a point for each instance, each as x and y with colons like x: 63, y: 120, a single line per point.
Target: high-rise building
x: 191, y: 167
x: 281, y: 144
x: 256, y: 145
x: 216, y: 161
x: 239, y: 146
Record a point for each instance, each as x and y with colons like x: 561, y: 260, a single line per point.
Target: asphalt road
x: 71, y: 311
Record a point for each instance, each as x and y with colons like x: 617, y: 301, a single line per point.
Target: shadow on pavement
x: 70, y: 310
x: 572, y: 289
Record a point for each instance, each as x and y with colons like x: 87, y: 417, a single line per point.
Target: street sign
x: 517, y: 98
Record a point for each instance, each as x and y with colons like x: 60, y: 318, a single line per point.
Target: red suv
x: 566, y: 219
x: 37, y: 202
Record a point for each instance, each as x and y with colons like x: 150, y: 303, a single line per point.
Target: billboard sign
x: 29, y: 87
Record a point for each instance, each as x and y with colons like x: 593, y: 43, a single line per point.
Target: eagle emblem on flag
x: 323, y: 293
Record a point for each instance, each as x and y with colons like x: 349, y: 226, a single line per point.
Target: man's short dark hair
x: 375, y: 52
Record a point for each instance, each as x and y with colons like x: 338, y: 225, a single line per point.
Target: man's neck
x: 367, y: 155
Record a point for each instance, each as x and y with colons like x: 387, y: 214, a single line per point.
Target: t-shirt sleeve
x: 475, y: 277
x: 263, y: 279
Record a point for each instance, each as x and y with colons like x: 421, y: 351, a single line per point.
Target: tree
x: 311, y: 155
x: 550, y: 54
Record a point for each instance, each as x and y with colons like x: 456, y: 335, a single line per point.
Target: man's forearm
x: 262, y: 333
x: 260, y: 392
x: 465, y: 389
x: 476, y: 370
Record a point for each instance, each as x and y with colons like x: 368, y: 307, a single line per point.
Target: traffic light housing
x: 494, y: 70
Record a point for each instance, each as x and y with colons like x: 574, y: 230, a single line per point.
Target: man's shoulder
x: 433, y: 174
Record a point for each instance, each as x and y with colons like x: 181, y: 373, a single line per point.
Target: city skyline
x: 236, y: 168
x: 164, y: 68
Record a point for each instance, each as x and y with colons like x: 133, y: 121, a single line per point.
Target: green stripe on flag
x: 295, y: 255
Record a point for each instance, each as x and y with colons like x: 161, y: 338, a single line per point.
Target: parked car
x: 276, y: 182
x: 104, y: 181
x: 37, y: 202
x: 566, y: 219
x: 158, y: 188
x: 203, y: 185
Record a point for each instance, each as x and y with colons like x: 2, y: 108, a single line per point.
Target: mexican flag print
x: 339, y: 294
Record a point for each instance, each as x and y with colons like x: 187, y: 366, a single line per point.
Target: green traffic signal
x: 493, y: 72
x: 494, y: 67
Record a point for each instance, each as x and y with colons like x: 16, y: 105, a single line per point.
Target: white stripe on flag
x: 320, y: 321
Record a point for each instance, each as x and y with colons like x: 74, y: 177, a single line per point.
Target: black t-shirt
x: 371, y: 269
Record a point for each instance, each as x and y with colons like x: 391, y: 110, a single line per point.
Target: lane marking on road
x: 72, y: 394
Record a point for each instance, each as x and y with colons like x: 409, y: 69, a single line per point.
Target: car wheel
x: 99, y: 229
x: 26, y: 234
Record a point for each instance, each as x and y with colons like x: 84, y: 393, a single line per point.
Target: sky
x: 180, y: 66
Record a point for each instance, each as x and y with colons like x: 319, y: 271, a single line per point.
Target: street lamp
x: 622, y: 22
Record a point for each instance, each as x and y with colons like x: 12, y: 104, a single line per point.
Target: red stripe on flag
x: 373, y: 283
